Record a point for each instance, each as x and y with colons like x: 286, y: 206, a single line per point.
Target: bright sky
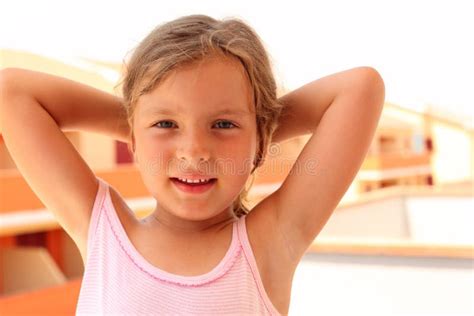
x: 421, y: 48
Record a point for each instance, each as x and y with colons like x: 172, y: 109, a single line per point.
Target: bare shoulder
x: 274, y: 257
x: 266, y: 233
x: 124, y: 212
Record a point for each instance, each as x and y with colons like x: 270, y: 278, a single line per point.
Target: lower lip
x: 188, y: 188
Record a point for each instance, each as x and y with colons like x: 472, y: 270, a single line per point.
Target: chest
x: 195, y: 257
x: 183, y: 256
x: 191, y: 258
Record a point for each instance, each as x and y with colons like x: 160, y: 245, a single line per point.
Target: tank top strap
x: 250, y: 257
x: 97, y: 207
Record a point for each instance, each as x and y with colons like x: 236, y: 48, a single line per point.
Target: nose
x: 194, y: 149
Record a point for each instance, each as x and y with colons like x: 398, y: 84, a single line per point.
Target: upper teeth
x: 194, y: 181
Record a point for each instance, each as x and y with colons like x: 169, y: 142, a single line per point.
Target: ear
x: 255, y: 158
x: 133, y: 144
x: 134, y: 151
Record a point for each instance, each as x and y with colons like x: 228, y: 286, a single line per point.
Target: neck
x: 173, y: 224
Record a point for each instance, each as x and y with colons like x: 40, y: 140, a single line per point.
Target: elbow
x: 376, y: 79
x: 373, y: 86
x: 9, y: 80
x: 7, y: 84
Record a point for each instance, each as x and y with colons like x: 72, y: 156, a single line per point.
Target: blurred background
x: 401, y: 240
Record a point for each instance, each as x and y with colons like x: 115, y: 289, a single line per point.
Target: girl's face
x: 197, y: 123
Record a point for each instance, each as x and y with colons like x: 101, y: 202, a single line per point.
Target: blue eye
x: 161, y: 122
x: 225, y: 124
x: 221, y: 124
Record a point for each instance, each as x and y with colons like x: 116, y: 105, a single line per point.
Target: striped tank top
x: 118, y: 280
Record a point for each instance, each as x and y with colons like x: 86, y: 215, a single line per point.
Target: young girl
x: 199, y: 110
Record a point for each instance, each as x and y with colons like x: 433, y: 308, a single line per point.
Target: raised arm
x: 73, y: 106
x: 34, y: 108
x: 341, y: 111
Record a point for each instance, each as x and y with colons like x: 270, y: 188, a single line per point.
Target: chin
x: 193, y: 214
x: 195, y: 217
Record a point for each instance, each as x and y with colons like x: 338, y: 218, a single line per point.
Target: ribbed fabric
x: 118, y: 280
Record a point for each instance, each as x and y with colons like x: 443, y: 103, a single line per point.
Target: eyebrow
x: 167, y: 111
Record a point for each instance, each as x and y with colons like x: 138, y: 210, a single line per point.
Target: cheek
x: 154, y: 157
x: 236, y: 159
x: 243, y: 145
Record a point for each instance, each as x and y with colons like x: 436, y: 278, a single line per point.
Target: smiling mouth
x: 193, y: 188
x: 195, y: 184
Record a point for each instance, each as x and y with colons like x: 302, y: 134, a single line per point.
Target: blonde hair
x: 189, y: 39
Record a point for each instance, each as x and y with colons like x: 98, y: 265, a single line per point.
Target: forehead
x: 214, y: 85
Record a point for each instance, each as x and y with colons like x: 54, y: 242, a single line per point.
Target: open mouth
x: 195, y: 183
x: 194, y: 187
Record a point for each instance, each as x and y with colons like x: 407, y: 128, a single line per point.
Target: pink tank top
x: 119, y: 280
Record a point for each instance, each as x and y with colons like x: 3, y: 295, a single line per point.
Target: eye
x: 226, y: 124
x: 163, y: 124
